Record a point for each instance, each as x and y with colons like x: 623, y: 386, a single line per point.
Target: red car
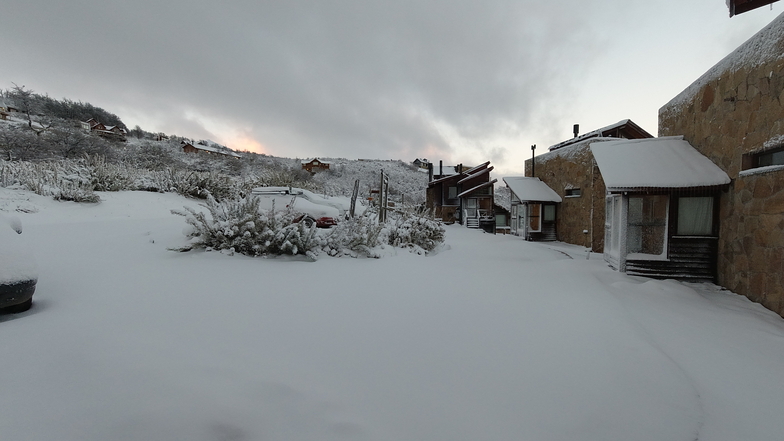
x: 321, y: 222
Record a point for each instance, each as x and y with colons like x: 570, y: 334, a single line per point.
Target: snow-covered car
x: 18, y: 274
x: 281, y: 198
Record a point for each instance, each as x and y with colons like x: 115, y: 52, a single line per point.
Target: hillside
x: 35, y: 131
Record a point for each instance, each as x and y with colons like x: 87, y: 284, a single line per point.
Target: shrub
x: 410, y: 230
x: 237, y: 225
x: 353, y: 237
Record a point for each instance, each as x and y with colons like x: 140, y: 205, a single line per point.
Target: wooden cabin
x: 465, y: 196
x: 315, y: 165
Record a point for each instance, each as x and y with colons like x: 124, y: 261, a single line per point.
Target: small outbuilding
x: 533, y: 208
x: 661, y: 216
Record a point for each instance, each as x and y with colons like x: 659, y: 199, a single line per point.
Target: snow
x: 16, y: 262
x: 761, y: 170
x: 666, y: 162
x: 763, y: 47
x: 531, y: 189
x: 129, y: 341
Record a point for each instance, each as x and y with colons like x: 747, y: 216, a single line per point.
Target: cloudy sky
x: 453, y: 80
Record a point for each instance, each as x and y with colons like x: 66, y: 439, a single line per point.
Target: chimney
x: 441, y: 168
x: 576, y: 130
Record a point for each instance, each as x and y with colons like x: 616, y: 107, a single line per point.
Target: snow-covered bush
x: 353, y: 237
x: 237, y: 225
x: 410, y: 230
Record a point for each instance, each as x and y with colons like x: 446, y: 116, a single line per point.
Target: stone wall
x: 729, y: 113
x: 568, y: 168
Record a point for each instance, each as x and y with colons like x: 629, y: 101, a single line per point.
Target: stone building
x: 734, y: 115
x: 569, y: 168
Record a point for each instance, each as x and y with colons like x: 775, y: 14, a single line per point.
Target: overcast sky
x: 453, y: 80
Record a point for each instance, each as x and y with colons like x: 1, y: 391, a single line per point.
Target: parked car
x: 320, y: 222
x: 296, y: 199
x: 18, y: 274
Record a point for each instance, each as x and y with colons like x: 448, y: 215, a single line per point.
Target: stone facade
x: 736, y: 110
x: 571, y: 168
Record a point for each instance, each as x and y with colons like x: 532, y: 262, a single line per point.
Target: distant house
x: 740, y: 6
x: 3, y: 114
x: 421, y: 163
x: 114, y: 133
x: 533, y: 208
x: 315, y: 165
x: 465, y: 196
x: 189, y: 147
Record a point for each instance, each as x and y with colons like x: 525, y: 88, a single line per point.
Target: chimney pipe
x: 576, y: 130
x: 441, y: 168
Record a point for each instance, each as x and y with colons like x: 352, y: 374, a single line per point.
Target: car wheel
x: 308, y: 221
x: 22, y: 307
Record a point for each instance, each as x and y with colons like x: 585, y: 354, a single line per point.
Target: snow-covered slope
x: 129, y: 341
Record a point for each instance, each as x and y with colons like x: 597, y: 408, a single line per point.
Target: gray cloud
x: 330, y: 78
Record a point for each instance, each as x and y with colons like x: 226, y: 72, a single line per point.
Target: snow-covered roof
x: 531, y: 189
x: 308, y: 161
x: 206, y: 148
x: 479, y: 173
x: 763, y: 47
x: 668, y: 162
x: 482, y: 185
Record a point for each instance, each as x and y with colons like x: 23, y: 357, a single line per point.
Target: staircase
x: 471, y: 221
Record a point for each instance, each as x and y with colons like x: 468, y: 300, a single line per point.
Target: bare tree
x: 27, y: 103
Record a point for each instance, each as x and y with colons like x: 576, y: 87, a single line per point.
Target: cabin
x: 734, y: 115
x: 569, y: 169
x: 462, y: 195
x: 113, y: 133
x: 314, y: 165
x: 189, y: 147
x: 421, y: 163
x: 661, y: 211
x: 533, y: 208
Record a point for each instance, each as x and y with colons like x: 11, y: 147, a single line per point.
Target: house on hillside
x: 114, y: 133
x: 314, y: 165
x: 189, y: 147
x: 421, y: 163
x: 569, y: 169
x: 464, y: 196
x: 734, y: 115
x: 533, y: 208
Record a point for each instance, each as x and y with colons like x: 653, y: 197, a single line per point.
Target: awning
x: 665, y: 163
x: 531, y: 189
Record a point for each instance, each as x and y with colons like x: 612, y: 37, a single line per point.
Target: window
x: 647, y: 224
x: 695, y: 216
x: 572, y: 193
x: 549, y: 213
x: 452, y: 192
x: 763, y: 159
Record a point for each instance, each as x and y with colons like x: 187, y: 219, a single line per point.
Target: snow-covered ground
x: 492, y: 338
